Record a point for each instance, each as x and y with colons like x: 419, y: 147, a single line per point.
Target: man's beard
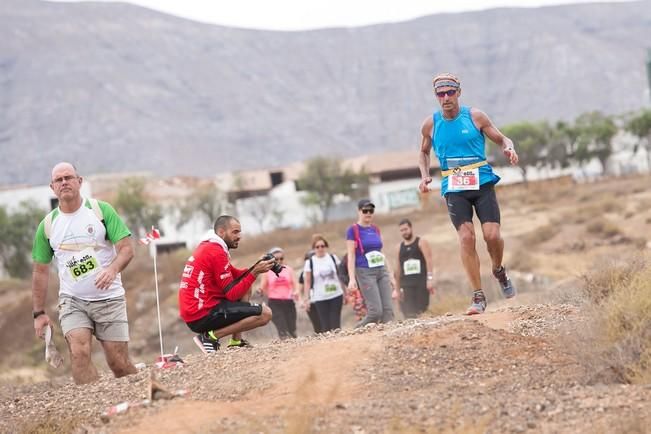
x: 409, y: 237
x: 231, y: 243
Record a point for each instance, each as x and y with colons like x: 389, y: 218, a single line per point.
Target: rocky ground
x: 509, y: 370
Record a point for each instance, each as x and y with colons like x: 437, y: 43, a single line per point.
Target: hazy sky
x: 310, y: 14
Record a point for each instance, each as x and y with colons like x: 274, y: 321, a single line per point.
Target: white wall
x: 41, y: 195
x: 282, y: 208
x: 388, y: 196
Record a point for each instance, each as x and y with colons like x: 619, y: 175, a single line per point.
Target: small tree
x: 596, y: 132
x: 16, y: 235
x: 262, y: 208
x: 134, y: 206
x: 562, y: 144
x: 640, y: 126
x: 206, y: 201
x: 324, y: 178
x: 531, y: 140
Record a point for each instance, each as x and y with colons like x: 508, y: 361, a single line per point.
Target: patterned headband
x: 446, y: 83
x: 446, y: 80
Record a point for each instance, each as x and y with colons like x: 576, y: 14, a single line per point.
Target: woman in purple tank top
x: 367, y: 266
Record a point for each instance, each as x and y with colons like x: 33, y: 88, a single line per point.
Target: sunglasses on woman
x: 320, y: 246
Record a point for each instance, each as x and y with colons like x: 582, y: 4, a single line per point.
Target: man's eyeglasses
x: 450, y: 92
x: 66, y: 178
x: 320, y: 246
x: 368, y: 211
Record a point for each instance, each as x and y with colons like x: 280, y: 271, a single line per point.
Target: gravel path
x: 505, y: 371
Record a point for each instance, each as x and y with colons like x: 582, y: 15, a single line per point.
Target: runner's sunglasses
x: 368, y: 211
x: 450, y: 92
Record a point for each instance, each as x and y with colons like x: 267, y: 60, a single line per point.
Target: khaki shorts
x: 107, y: 319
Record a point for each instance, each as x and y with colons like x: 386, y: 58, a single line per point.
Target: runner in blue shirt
x: 457, y: 135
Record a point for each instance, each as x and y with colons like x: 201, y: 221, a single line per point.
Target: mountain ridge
x: 117, y: 87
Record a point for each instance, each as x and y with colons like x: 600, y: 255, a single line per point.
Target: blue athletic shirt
x: 458, y: 142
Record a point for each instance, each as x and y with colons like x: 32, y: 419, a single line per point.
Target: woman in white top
x: 325, y: 289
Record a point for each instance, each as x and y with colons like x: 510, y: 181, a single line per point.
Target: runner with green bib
x: 367, y: 266
x: 91, y: 245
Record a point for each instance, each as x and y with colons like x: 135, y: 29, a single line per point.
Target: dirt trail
x: 505, y: 371
x: 318, y: 374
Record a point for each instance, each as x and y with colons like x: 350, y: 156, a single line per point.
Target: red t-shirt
x: 207, y: 272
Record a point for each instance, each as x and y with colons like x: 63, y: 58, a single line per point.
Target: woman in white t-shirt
x: 320, y: 274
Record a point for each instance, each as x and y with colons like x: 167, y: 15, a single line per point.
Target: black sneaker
x: 206, y: 344
x: 243, y: 344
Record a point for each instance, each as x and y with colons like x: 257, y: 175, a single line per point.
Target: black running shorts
x: 225, y: 314
x: 484, y: 201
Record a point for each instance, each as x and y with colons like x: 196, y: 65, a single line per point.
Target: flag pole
x: 160, y: 329
x: 149, y: 238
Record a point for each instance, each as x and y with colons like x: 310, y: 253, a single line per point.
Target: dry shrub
x: 455, y: 421
x: 627, y: 321
x: 454, y: 303
x: 523, y: 261
x: 620, y: 324
x: 541, y: 234
x: 603, y: 227
x: 643, y: 205
x: 578, y: 215
x: 600, y: 284
x: 53, y: 425
x: 608, y: 204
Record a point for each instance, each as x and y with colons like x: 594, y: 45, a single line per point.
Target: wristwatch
x: 38, y: 313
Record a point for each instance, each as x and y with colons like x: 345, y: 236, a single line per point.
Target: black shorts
x: 484, y: 200
x: 225, y: 314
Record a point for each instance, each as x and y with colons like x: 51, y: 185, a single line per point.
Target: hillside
x: 530, y: 364
x: 116, y: 87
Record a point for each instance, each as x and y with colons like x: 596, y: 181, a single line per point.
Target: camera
x: 276, y: 267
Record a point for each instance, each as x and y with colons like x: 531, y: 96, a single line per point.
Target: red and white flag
x: 150, y: 236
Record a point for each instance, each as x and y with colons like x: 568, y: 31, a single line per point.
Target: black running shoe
x: 206, y: 344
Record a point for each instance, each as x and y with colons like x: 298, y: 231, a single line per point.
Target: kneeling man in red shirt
x: 213, y: 295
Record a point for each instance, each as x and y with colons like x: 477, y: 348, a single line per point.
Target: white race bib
x: 375, y: 259
x: 463, y: 180
x: 330, y: 288
x: 411, y: 267
x: 83, y: 264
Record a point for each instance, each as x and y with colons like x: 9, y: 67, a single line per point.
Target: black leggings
x: 329, y: 313
x: 314, y: 318
x: 283, y: 317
